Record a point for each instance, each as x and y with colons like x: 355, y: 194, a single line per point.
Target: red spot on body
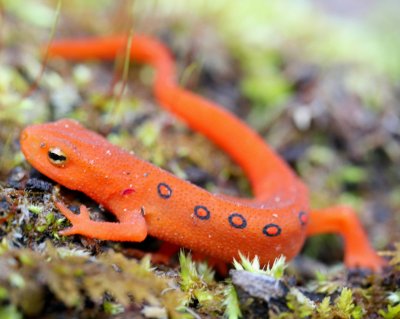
x: 303, y: 218
x: 164, y: 190
x: 236, y: 220
x: 273, y: 231
x: 202, y: 212
x: 128, y: 191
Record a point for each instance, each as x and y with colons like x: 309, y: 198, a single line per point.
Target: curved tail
x: 268, y: 174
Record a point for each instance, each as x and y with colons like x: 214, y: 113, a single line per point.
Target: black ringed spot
x: 164, y: 190
x: 236, y: 220
x: 303, y: 218
x: 272, y: 230
x: 202, y: 212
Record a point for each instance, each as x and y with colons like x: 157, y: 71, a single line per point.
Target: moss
x: 231, y: 303
x: 345, y: 307
x: 10, y: 312
x: 276, y: 270
x: 394, y: 256
x: 201, y: 289
x: 392, y: 312
x: 197, y: 282
x: 330, y: 295
x: 74, y: 278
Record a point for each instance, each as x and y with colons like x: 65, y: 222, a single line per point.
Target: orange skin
x: 148, y: 200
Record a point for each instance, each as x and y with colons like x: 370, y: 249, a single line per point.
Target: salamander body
x: 148, y: 200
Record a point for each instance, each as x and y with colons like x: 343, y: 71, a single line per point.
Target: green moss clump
x: 73, y: 279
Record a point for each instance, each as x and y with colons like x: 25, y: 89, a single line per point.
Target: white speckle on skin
x: 145, y: 174
x: 277, y: 199
x: 275, y: 215
x: 131, y: 152
x: 66, y: 126
x: 302, y: 117
x: 108, y: 152
x: 125, y: 209
x: 91, y: 162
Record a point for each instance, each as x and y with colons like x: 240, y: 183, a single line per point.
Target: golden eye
x: 56, y: 156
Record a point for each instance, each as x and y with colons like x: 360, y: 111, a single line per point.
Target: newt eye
x: 56, y: 156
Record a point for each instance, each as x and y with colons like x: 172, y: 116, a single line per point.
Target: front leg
x: 131, y: 228
x: 344, y: 221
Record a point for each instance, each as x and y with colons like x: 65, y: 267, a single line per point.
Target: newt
x: 147, y: 200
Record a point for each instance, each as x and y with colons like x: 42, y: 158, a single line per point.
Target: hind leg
x: 343, y: 220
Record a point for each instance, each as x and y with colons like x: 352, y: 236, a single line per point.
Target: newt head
x: 63, y: 151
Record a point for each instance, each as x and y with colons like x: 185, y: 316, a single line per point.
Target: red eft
x: 148, y: 200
